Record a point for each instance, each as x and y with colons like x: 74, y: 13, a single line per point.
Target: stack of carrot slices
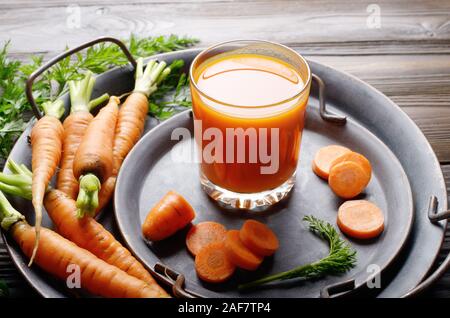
x: 219, y: 252
x: 348, y: 173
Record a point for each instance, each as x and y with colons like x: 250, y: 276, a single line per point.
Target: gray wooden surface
x: 406, y: 55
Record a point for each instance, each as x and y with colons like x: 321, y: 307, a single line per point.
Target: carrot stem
x: 163, y: 75
x: 147, y: 81
x: 87, y: 201
x: 54, y: 109
x: 297, y: 272
x: 19, y: 182
x: 8, y: 215
x: 80, y: 93
x: 157, y: 71
x: 14, y: 167
x: 25, y: 170
x: 20, y: 191
x: 15, y: 180
x: 97, y: 101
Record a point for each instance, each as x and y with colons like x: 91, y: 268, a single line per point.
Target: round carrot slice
x: 203, y: 234
x: 354, y: 157
x: 360, y: 219
x: 348, y: 179
x: 324, y: 158
x: 239, y: 254
x: 212, y: 263
x: 257, y: 237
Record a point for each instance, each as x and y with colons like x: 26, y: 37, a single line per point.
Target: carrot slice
x: 324, y: 157
x: 354, y: 157
x: 203, y: 234
x: 257, y: 237
x: 170, y: 214
x: 348, y: 179
x: 360, y: 219
x: 239, y: 254
x: 212, y: 263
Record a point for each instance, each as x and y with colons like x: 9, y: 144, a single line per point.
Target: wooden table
x: 404, y: 51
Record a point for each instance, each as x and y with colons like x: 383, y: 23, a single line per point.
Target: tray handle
x: 434, y: 216
x: 324, y: 113
x: 176, y: 280
x: 433, y: 213
x: 334, y: 289
x: 56, y: 59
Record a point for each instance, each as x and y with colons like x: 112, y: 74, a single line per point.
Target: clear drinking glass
x: 253, y: 166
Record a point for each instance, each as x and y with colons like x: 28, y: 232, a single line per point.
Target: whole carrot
x: 93, y: 162
x: 85, y: 232
x: 91, y: 235
x: 46, y: 147
x: 75, y: 126
x: 57, y: 254
x: 131, y: 119
x: 133, y: 112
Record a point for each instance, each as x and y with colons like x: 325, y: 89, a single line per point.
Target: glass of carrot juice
x: 249, y: 100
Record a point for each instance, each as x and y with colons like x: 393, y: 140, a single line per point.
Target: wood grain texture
x: 435, y: 124
x: 409, y: 80
x: 408, y: 58
x: 46, y: 25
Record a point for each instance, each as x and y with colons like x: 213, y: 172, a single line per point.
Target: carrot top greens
x: 15, y: 109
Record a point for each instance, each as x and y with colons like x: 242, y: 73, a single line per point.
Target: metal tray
x: 158, y: 164
x: 365, y: 106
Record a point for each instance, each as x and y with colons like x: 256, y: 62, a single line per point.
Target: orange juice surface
x: 252, y: 96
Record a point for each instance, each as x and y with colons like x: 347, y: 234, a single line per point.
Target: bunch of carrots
x: 89, y: 151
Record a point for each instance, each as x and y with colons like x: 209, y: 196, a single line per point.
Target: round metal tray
x: 364, y: 106
x: 158, y: 164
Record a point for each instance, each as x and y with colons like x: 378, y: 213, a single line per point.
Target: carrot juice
x: 249, y: 107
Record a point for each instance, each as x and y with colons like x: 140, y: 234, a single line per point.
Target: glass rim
x: 193, y: 82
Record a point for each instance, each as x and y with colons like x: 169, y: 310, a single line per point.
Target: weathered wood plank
x: 8, y: 4
x: 39, y: 28
x: 419, y: 84
x: 409, y: 80
x: 353, y: 48
x: 379, y: 47
x: 326, y: 49
x: 435, y: 124
x: 326, y: 4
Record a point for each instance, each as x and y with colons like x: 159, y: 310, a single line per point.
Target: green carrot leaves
x: 14, y: 107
